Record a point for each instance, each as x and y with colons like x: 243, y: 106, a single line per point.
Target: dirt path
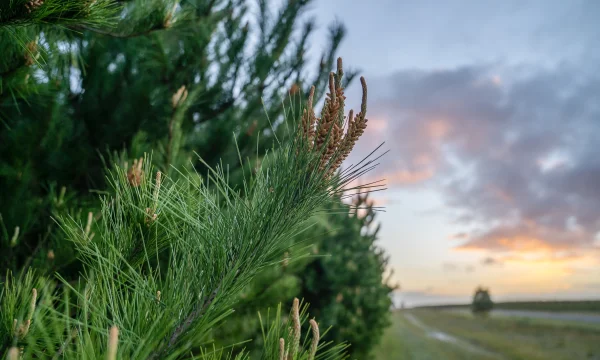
x: 447, y: 338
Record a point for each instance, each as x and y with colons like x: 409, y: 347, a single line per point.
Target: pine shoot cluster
x: 293, y: 349
x: 326, y: 134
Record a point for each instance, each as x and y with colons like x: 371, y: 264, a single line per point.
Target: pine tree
x: 336, y: 267
x: 83, y: 79
x: 166, y: 311
x: 86, y: 84
x: 346, y: 287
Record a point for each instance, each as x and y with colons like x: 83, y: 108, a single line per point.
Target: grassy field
x: 439, y: 334
x: 554, y: 306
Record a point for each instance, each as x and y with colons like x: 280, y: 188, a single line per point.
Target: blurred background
x: 489, y: 242
x: 490, y: 112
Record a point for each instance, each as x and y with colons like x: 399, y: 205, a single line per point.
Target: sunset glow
x: 492, y: 169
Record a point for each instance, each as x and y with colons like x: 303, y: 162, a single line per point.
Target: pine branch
x: 117, y: 34
x: 57, y: 12
x: 162, y: 263
x: 185, y: 325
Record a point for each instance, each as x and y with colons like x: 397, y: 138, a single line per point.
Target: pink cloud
x: 513, y: 156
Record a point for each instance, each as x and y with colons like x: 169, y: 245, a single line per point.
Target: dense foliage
x: 169, y: 78
x: 338, y: 269
x: 197, y: 84
x: 344, y: 286
x: 482, y: 301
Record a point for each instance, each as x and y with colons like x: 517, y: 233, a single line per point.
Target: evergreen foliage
x: 482, y: 301
x: 336, y: 267
x: 151, y: 269
x: 182, y: 80
x: 157, y: 309
x: 346, y: 287
x: 14, y: 13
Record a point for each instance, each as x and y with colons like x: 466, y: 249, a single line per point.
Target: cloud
x: 588, y: 285
x: 512, y: 150
x: 454, y: 267
x: 407, y: 177
x: 572, y: 257
x: 490, y: 261
x: 459, y: 236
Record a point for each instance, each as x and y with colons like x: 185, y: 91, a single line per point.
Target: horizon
x: 488, y: 110
x: 411, y: 300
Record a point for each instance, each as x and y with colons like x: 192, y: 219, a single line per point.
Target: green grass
x: 578, y: 306
x: 404, y: 340
x: 508, y: 338
x: 555, y: 306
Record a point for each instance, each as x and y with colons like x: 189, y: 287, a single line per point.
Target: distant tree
x: 482, y: 301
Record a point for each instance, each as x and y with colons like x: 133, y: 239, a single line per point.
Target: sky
x: 490, y: 111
